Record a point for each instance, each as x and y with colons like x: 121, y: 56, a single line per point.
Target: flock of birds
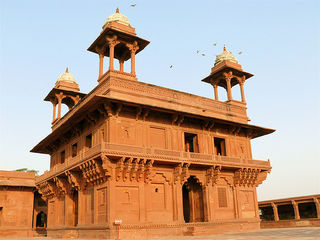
x: 198, y: 51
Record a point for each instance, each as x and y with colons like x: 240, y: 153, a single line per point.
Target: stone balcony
x: 158, y: 155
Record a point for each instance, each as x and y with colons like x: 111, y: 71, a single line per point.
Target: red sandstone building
x: 151, y: 159
x: 22, y: 210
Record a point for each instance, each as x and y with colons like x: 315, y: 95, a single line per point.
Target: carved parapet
x: 246, y: 177
x: 212, y: 175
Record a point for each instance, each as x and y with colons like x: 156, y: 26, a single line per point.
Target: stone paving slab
x: 305, y: 233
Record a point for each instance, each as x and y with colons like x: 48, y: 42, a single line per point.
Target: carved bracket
x: 212, y: 175
x: 246, y: 177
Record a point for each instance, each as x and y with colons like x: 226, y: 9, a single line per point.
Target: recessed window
x: 191, y: 142
x: 219, y: 146
x: 222, y: 197
x: 89, y: 141
x: 62, y: 156
x: 74, y: 149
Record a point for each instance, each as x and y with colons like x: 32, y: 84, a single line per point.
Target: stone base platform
x: 154, y: 230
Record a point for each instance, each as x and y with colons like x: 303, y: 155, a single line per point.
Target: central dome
x: 66, y: 77
x: 116, y: 17
x: 225, y: 56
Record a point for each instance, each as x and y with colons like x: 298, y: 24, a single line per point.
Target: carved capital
x: 227, y: 75
x: 133, y: 47
x: 101, y: 50
x: 112, y: 41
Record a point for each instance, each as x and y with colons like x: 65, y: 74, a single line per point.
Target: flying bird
x: 171, y: 66
x: 203, y: 54
x: 240, y: 52
x: 215, y: 44
x: 198, y: 51
x: 133, y: 5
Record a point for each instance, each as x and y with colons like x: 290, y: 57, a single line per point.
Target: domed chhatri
x: 66, y: 77
x: 116, y: 17
x: 225, y: 56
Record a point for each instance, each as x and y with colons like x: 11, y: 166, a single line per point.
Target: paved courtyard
x: 306, y: 233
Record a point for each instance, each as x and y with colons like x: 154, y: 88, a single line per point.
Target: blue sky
x: 280, y: 45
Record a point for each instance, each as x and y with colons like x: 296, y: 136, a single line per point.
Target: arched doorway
x: 193, y: 209
x: 41, y: 219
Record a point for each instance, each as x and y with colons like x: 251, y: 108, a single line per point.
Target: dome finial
x: 117, y: 10
x: 67, y: 70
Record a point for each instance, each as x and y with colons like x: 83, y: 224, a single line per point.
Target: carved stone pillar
x: 133, y: 48
x: 316, y: 202
x: 216, y: 96
x: 54, y: 103
x: 100, y: 64
x: 275, y: 212
x: 112, y: 42
x: 242, y: 93
x: 101, y: 51
x: 121, y: 62
x: 59, y: 97
x: 296, y: 209
x: 228, y: 76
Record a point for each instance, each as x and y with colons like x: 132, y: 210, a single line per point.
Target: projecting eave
x: 80, y: 113
x: 54, y: 90
x: 225, y: 66
x: 124, y: 37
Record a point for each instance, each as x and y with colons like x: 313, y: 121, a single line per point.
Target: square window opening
x: 219, y: 146
x: 74, y: 149
x: 89, y: 141
x: 191, y: 142
x: 62, y: 156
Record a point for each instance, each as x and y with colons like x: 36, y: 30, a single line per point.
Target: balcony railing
x: 163, y: 155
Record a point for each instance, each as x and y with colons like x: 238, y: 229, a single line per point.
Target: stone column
x: 275, y: 211
x: 54, y: 103
x: 241, y: 81
x: 69, y: 211
x: 296, y: 210
x: 242, y: 93
x: 236, y: 202
x: 133, y: 48
x: 121, y: 62
x: 228, y: 76
x: 100, y: 64
x: 112, y: 42
x: 316, y: 202
x: 101, y: 52
x: 216, y: 96
x: 59, y: 97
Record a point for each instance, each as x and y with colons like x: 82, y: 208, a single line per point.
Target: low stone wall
x: 291, y: 223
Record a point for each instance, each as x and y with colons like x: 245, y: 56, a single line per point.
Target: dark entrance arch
x: 193, y: 207
x: 41, y: 219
